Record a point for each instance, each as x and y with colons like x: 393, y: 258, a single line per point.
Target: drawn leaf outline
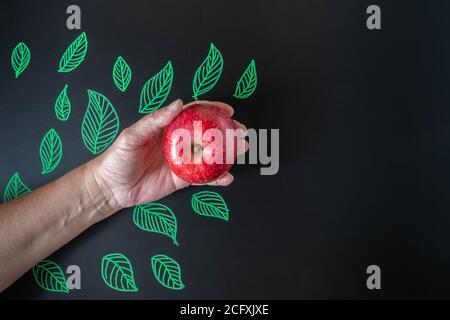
x: 63, y: 106
x: 15, y: 188
x: 156, y: 217
x: 50, y: 277
x: 247, y: 83
x: 167, y: 272
x: 20, y: 58
x: 156, y: 90
x: 50, y: 151
x: 74, y: 54
x: 121, y: 74
x: 208, y: 73
x: 100, y: 123
x: 210, y: 204
x: 118, y: 273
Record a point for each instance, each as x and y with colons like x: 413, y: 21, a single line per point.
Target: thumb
x: 154, y: 122
x: 158, y: 119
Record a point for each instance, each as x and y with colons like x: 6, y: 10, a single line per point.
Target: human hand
x: 133, y: 169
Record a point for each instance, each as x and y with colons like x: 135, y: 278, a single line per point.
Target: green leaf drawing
x: 167, y: 271
x: 117, y: 273
x: 15, y: 188
x: 63, y: 107
x: 210, y: 204
x: 50, y: 277
x: 208, y: 73
x: 121, y: 74
x: 20, y: 58
x: 74, y: 54
x: 156, y: 217
x: 50, y: 151
x: 156, y: 89
x: 100, y: 123
x: 247, y: 83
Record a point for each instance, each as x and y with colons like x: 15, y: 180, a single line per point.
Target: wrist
x: 97, y: 191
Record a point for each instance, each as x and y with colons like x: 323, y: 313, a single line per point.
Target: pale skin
x: 131, y: 171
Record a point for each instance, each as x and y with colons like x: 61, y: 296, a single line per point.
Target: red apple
x: 195, y: 143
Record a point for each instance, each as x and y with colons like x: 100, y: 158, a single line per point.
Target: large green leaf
x: 167, y: 271
x: 121, y: 74
x: 210, y: 204
x: 117, y: 273
x: 156, y: 89
x: 208, y: 73
x: 63, y: 106
x: 20, y: 58
x: 156, y: 217
x: 15, y: 188
x: 100, y: 123
x: 247, y: 83
x: 50, y: 151
x: 74, y: 54
x: 50, y: 277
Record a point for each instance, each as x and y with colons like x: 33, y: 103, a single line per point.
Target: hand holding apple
x: 133, y: 170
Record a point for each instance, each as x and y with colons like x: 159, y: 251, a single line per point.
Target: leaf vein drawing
x: 210, y: 204
x: 156, y: 90
x: 50, y: 277
x: 118, y: 273
x: 121, y: 74
x: 63, y: 106
x: 74, y: 54
x: 50, y: 151
x: 156, y: 217
x: 15, y: 188
x: 208, y: 73
x: 247, y: 83
x: 100, y: 123
x: 20, y: 58
x: 167, y: 272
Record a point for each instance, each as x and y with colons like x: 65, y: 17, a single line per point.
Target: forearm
x: 35, y: 225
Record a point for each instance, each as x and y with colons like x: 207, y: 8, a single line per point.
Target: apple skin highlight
x: 210, y: 117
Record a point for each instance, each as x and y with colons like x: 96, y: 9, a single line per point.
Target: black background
x: 364, y: 121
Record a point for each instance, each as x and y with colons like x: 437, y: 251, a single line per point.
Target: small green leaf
x: 50, y: 151
x: 121, y: 74
x: 100, y: 123
x: 156, y: 90
x: 15, y: 188
x: 74, y: 54
x: 156, y: 217
x: 20, y: 58
x: 63, y: 106
x: 210, y: 204
x: 50, y: 277
x: 208, y: 73
x: 247, y: 83
x: 117, y: 273
x: 167, y: 271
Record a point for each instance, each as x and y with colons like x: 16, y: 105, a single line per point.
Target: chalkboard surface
x: 364, y: 119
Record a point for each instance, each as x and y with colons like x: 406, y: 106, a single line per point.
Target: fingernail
x: 226, y: 179
x: 174, y: 104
